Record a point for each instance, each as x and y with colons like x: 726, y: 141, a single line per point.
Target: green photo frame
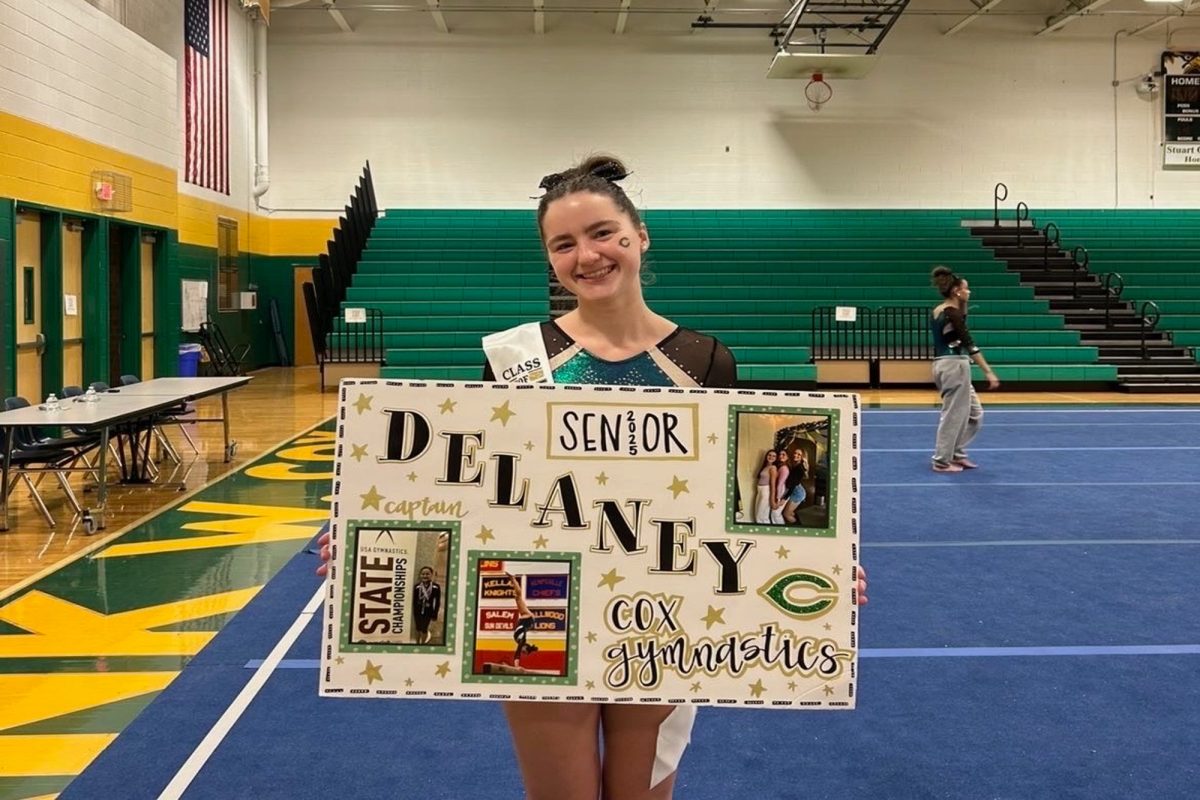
x: 355, y: 529
x: 805, y: 425
x: 472, y: 612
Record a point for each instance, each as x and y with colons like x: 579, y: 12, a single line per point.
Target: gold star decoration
x: 828, y: 690
x: 792, y: 685
x: 712, y: 438
x: 591, y: 637
x: 371, y: 499
x: 602, y: 479
x: 443, y: 669
x: 828, y: 627
x: 408, y: 682
x: 711, y: 504
x: 502, y: 413
x: 837, y: 569
x: 358, y: 451
x: 372, y: 672
x: 610, y: 579
x: 757, y: 688
x: 339, y: 661
x: 540, y: 543
x: 529, y: 445
x: 363, y: 403
x: 783, y: 552
x: 713, y: 616
x: 589, y: 685
x: 696, y: 686
x: 412, y: 477
x: 447, y: 407
x: 485, y: 534
x: 678, y: 487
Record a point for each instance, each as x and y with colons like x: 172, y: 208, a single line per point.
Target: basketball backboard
x: 830, y: 65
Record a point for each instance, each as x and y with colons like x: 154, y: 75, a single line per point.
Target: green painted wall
x: 271, y: 277
x: 8, y: 300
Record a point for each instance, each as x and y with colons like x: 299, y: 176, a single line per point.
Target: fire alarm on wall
x: 104, y: 191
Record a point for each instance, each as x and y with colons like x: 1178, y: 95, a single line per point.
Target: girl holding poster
x: 594, y: 240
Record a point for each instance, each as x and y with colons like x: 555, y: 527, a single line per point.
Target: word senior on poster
x: 673, y: 435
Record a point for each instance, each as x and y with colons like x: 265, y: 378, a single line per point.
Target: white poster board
x: 195, y: 304
x: 591, y: 544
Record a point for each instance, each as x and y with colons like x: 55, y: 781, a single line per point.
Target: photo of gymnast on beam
x: 522, y: 618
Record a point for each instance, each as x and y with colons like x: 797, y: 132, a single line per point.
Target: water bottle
x: 90, y: 395
x: 52, y: 403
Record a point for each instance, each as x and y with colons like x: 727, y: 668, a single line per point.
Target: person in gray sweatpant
x: 954, y: 350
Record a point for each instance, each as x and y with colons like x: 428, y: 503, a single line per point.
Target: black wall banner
x: 1181, y: 110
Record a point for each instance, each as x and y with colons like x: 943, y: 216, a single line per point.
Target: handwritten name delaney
x: 619, y: 522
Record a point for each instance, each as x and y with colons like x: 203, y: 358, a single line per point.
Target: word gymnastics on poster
x: 594, y: 544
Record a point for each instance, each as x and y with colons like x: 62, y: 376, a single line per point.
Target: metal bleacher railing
x: 895, y: 333
x: 336, y: 338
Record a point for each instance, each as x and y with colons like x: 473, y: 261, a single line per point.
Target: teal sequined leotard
x: 683, y: 358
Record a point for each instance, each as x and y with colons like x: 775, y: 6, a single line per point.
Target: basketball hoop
x: 817, y: 92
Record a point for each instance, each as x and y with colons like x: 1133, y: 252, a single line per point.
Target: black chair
x: 131, y: 433
x: 34, y: 453
x: 170, y: 416
x: 74, y: 394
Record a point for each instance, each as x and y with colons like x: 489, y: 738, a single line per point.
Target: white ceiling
x: 675, y: 17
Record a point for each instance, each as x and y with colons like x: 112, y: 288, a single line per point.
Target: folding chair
x: 170, y: 416
x: 34, y: 453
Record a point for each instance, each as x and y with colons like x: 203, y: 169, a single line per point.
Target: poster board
x: 591, y: 544
x: 195, y: 304
x: 1181, y: 110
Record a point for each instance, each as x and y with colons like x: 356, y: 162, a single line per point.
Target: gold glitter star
x: 412, y: 477
x: 372, y: 672
x: 358, y: 451
x: 363, y: 403
x: 529, y: 445
x: 837, y: 569
x: 502, y: 413
x: 443, y: 669
x: 589, y: 685
x: 591, y: 637
x: 696, y: 686
x: 610, y: 579
x: 408, y: 682
x: 485, y: 534
x: 711, y: 504
x: 757, y: 688
x: 828, y: 690
x: 828, y: 627
x: 678, y: 487
x: 792, y: 685
x: 783, y: 552
x: 339, y: 661
x: 602, y: 479
x: 540, y: 543
x: 713, y: 616
x: 371, y: 499
x: 447, y: 407
x: 712, y: 438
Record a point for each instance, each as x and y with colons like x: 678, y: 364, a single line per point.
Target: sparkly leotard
x: 683, y: 358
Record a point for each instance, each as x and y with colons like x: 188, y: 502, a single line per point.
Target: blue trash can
x: 189, y: 360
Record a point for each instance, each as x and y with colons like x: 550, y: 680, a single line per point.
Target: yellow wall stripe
x: 45, y: 166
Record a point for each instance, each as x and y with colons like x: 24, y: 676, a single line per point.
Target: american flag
x: 206, y: 85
